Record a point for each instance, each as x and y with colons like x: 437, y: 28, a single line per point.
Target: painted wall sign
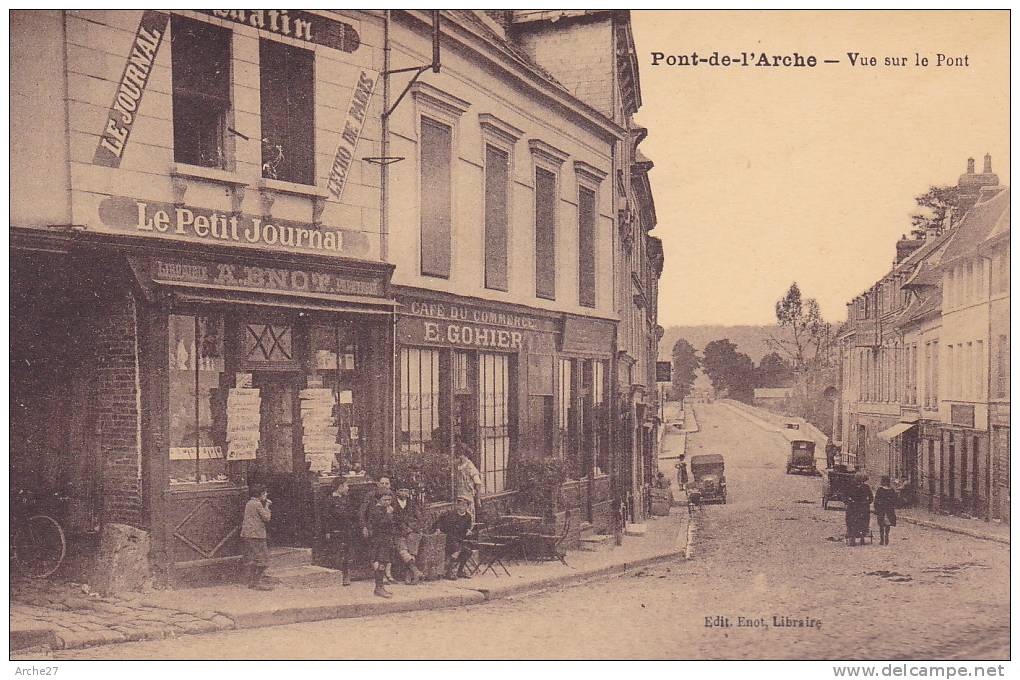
x: 130, y: 89
x: 202, y: 224
x: 590, y: 336
x: 351, y: 134
x: 267, y: 279
x: 306, y: 26
x: 962, y: 414
x: 423, y: 322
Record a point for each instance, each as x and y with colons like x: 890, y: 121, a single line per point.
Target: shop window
x: 493, y: 419
x: 332, y: 407
x: 599, y: 418
x: 436, y: 203
x: 197, y: 400
x: 497, y: 190
x: 545, y: 234
x: 564, y: 396
x: 200, y: 70
x: 268, y: 343
x: 1002, y: 368
x: 540, y: 434
x: 419, y: 400
x: 586, y: 223
x: 288, y: 112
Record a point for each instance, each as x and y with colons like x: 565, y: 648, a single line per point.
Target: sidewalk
x: 975, y: 528
x: 51, y: 615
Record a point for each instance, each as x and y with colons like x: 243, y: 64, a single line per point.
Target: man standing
x: 409, y: 517
x: 342, y: 524
x: 467, y: 479
x: 456, y: 524
x: 253, y: 534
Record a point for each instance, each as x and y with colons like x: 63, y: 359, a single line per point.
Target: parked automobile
x: 837, y: 485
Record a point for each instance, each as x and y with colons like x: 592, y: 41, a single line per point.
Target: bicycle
x: 38, y: 544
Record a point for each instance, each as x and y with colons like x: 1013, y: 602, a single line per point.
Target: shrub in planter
x: 427, y: 473
x: 538, y: 481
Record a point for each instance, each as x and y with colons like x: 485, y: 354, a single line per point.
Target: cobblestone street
x: 771, y: 551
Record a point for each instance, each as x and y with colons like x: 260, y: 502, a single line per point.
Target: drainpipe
x: 384, y: 140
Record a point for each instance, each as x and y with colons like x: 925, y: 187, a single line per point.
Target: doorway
x: 280, y: 458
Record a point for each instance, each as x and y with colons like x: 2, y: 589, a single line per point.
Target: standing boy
x: 253, y: 534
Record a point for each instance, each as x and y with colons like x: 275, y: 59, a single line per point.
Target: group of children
x: 391, y: 526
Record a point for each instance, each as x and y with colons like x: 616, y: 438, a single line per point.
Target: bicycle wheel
x: 39, y: 546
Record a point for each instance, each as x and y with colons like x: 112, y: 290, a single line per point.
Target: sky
x: 764, y: 176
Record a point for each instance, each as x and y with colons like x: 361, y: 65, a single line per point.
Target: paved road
x: 768, y: 552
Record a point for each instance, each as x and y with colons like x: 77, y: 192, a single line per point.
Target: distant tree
x: 772, y: 371
x: 806, y: 334
x: 936, y: 202
x: 729, y: 370
x: 686, y: 363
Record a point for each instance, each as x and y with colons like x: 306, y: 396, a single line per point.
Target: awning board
x: 896, y: 430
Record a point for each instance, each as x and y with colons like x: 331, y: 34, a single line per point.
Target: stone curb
x: 955, y: 530
x: 279, y: 617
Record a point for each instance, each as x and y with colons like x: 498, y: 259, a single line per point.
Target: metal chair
x: 547, y: 547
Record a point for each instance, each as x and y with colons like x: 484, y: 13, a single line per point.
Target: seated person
x: 456, y: 524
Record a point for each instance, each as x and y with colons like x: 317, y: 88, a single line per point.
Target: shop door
x: 281, y: 460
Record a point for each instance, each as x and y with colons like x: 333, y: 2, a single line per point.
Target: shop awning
x: 293, y: 300
x: 896, y: 430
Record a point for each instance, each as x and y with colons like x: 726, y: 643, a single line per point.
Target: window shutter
x: 545, y: 234
x: 436, y: 140
x: 586, y: 247
x: 497, y: 169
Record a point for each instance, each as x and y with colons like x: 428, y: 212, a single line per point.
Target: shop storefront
x: 511, y: 383
x: 209, y: 370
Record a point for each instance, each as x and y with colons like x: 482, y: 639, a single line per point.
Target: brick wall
x: 579, y: 54
x: 116, y: 375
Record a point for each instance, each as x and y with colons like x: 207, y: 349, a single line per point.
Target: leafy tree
x: 936, y: 203
x: 807, y: 335
x: 772, y: 371
x: 686, y: 363
x: 729, y: 369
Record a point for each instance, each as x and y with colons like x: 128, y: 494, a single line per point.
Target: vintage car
x: 708, y: 472
x: 838, y: 482
x: 802, y: 458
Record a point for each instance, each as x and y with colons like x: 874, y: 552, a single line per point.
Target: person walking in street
x: 342, y: 527
x: 382, y: 527
x: 456, y: 524
x: 681, y: 472
x: 885, y: 509
x: 253, y: 534
x: 467, y: 479
x: 858, y: 509
x: 409, y: 517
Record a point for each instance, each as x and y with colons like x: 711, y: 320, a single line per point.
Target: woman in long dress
x: 858, y: 510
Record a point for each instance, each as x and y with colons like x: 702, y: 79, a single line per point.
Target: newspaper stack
x: 243, y: 423
x: 319, y: 427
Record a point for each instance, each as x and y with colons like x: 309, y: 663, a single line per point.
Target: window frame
x: 288, y: 49
x: 179, y: 94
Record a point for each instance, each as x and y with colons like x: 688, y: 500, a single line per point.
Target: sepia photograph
x: 523, y: 335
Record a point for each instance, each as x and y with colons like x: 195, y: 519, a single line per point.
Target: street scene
x: 770, y: 551
x: 509, y: 334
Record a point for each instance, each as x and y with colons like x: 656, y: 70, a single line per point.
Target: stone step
x: 281, y: 557
x: 635, y: 530
x: 304, y: 576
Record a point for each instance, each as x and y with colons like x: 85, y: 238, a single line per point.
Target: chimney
x: 970, y: 166
x: 971, y: 186
x: 988, y: 164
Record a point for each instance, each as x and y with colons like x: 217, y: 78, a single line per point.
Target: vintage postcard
x: 511, y: 334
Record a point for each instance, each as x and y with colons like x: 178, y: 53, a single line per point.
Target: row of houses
x: 925, y: 360
x: 274, y: 245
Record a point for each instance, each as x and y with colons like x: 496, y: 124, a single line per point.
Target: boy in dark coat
x: 885, y: 509
x: 382, y: 529
x: 456, y: 524
x: 409, y: 518
x: 342, y: 526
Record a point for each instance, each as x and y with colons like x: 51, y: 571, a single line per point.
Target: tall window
x: 493, y: 419
x: 979, y: 371
x: 497, y: 191
x: 935, y: 373
x: 419, y: 399
x: 197, y: 435
x: 200, y: 69
x: 288, y: 112
x: 586, y: 220
x: 545, y: 234
x: 436, y: 204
